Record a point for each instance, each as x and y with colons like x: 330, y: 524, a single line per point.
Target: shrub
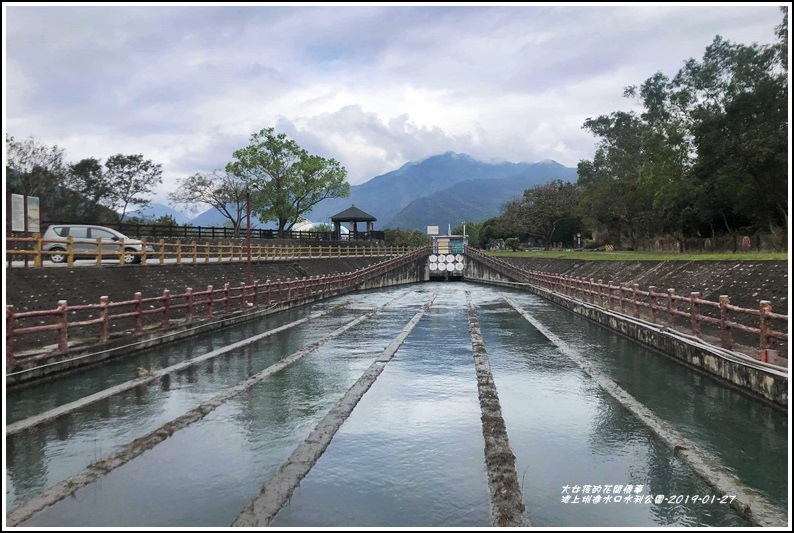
x: 512, y: 243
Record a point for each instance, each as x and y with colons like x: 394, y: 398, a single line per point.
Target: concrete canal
x: 367, y: 410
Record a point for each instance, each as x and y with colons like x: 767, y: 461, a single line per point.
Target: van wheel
x: 59, y: 257
x: 130, y: 257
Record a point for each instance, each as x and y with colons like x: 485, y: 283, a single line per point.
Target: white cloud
x: 373, y: 87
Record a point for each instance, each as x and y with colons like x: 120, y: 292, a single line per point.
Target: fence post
x: 206, y: 252
x: 764, y: 309
x: 98, y: 260
x: 267, y: 292
x: 121, y: 251
x: 166, y: 308
x: 178, y: 252
x: 242, y: 295
x: 600, y: 295
x: 104, y: 303
x: 63, y: 327
x: 652, y: 302
x: 162, y: 251
x: 189, y: 308
x: 10, y: 323
x: 289, y: 289
x: 725, y: 318
x: 209, y: 301
x: 195, y: 253
x: 635, y: 288
x: 138, y: 315
x: 37, y: 262
x: 622, y: 298
x: 670, y: 315
x: 70, y: 251
x: 226, y: 302
x: 694, y: 313
x: 256, y: 293
x: 144, y: 255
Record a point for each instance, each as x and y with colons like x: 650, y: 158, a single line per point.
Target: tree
x: 542, y: 209
x: 612, y: 194
x: 36, y: 169
x: 737, y: 100
x: 88, y: 179
x: 417, y: 239
x: 222, y: 190
x: 130, y: 179
x: 472, y: 232
x: 286, y: 181
x: 513, y: 243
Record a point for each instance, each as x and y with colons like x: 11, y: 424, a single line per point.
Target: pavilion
x: 353, y: 215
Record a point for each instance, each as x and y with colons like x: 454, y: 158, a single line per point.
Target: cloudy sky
x: 373, y: 87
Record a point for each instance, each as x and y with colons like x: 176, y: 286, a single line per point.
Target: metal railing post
x: 63, y: 326
x: 138, y: 314
x: 694, y: 313
x: 10, y: 324
x: 104, y: 309
x: 725, y: 318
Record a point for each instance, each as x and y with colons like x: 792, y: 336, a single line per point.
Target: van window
x: 102, y: 234
x: 78, y: 232
x: 61, y: 232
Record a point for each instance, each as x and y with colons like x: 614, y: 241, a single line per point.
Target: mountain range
x: 440, y: 190
x: 443, y: 189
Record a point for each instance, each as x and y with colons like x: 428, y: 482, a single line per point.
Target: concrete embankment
x: 746, y: 282
x: 32, y: 289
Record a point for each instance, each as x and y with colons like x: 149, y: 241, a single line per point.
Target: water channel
x: 411, y: 452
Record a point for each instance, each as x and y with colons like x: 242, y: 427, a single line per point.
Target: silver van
x: 84, y: 242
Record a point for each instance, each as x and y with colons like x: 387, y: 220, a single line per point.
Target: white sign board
x: 34, y: 217
x: 432, y: 230
x: 17, y: 212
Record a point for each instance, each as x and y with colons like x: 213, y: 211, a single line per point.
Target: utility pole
x: 248, y: 230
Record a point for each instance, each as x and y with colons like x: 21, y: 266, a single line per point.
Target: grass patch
x: 643, y: 256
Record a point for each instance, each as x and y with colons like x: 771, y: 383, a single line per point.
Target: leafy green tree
x: 130, y: 179
x: 286, y: 181
x: 541, y: 210
x: 613, y: 197
x: 323, y: 228
x: 472, y: 232
x: 513, y: 243
x: 707, y: 154
x: 88, y: 178
x: 418, y: 239
x: 223, y: 191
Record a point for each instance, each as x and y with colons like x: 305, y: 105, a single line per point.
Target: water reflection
x: 411, y: 453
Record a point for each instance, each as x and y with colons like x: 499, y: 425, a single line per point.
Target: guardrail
x: 189, y: 304
x: 655, y: 305
x: 191, y: 252
x: 211, y: 232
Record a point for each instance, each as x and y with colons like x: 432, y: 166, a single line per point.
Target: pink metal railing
x: 656, y: 305
x: 224, y: 300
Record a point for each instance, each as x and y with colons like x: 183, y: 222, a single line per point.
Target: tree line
x: 84, y: 190
x: 282, y: 179
x: 706, y: 155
